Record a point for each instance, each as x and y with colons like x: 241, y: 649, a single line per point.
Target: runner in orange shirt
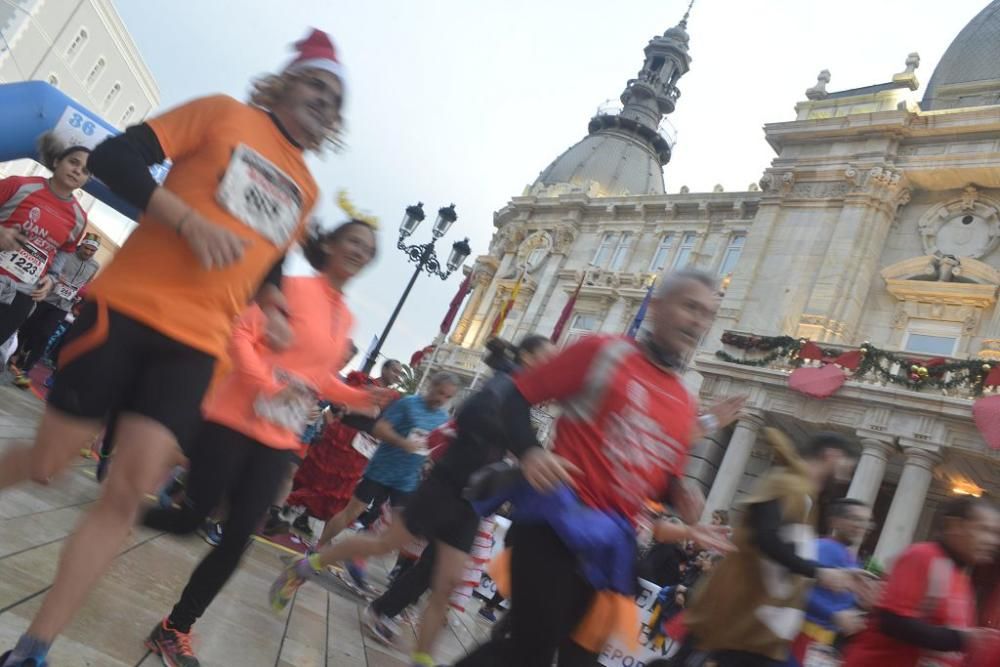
x: 161, y: 315
x: 253, y: 419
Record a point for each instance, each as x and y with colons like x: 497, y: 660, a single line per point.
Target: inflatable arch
x: 29, y: 109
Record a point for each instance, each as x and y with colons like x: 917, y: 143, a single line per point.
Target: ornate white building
x: 84, y: 49
x: 877, y: 222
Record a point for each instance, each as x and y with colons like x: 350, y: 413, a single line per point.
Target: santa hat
x: 316, y: 52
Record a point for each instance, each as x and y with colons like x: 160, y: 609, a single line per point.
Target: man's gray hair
x: 444, y: 377
x: 675, y: 279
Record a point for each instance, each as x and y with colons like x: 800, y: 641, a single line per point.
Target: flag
x: 456, y: 302
x: 566, y: 312
x: 502, y: 315
x: 641, y: 314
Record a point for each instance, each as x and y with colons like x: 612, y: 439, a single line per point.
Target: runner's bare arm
x: 384, y: 432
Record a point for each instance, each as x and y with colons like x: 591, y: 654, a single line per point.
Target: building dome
x: 969, y: 72
x: 607, y: 164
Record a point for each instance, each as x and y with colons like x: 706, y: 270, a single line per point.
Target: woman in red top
x: 326, y: 480
x: 39, y: 218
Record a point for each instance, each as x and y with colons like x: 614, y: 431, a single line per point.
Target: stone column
x: 871, y: 469
x: 734, y: 464
x: 907, y: 503
x: 480, y: 281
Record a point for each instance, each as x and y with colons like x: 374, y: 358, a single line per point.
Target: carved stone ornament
x: 565, y: 235
x: 506, y: 240
x: 534, y: 250
x: 777, y: 183
x: 968, y: 226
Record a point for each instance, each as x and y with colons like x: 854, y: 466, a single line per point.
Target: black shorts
x: 375, y: 494
x: 111, y: 364
x: 438, y: 511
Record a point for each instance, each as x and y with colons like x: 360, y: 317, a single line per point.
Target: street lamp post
x: 425, y: 258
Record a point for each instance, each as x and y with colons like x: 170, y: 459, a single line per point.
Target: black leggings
x: 35, y: 333
x: 14, y: 314
x: 549, y: 598
x: 225, y: 465
x: 407, y: 588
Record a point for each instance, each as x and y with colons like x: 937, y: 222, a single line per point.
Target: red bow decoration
x: 986, y: 414
x: 820, y: 382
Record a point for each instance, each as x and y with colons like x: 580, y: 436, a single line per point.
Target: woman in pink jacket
x: 253, y: 418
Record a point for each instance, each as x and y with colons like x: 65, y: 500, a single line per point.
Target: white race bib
x: 260, y: 195
x: 419, y: 435
x: 27, y: 263
x: 291, y: 410
x: 818, y: 655
x: 64, y: 291
x: 364, y: 444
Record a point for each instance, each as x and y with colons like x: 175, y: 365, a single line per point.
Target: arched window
x: 96, y: 70
x: 129, y: 112
x: 77, y: 44
x: 112, y: 94
x: 53, y: 80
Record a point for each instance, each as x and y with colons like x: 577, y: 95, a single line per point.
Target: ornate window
x: 660, y: 256
x: 582, y: 324
x: 684, y: 252
x: 932, y: 337
x: 604, y: 251
x: 129, y: 112
x: 732, y: 254
x: 620, y: 255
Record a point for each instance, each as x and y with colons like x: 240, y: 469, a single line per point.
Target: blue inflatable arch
x: 31, y: 108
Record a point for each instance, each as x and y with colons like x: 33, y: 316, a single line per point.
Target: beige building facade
x: 877, y: 222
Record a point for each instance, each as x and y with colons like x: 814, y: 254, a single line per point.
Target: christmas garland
x: 916, y: 374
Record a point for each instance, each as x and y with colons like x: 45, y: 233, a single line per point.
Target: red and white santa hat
x: 316, y: 51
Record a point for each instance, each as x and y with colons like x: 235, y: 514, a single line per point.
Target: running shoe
x: 49, y: 381
x: 289, y: 581
x: 22, y: 381
x: 173, y: 646
x: 378, y: 626
x: 30, y: 662
x: 211, y: 532
x: 356, y: 571
x: 275, y: 524
x: 302, y: 527
x: 488, y: 614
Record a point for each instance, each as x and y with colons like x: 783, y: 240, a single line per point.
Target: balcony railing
x: 865, y: 363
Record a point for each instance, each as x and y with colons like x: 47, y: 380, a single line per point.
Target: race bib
x: 364, y: 444
x: 419, y: 435
x: 27, y: 263
x: 287, y: 409
x: 818, y: 655
x: 260, y: 195
x: 64, y: 291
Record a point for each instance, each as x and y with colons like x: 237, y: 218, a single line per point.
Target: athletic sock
x: 28, y: 647
x: 423, y: 660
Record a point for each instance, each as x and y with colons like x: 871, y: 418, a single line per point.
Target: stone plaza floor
x: 320, y: 628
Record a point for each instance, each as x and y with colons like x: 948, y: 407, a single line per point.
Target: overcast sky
x: 467, y: 101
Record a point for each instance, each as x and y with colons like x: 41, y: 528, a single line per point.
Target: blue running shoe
x: 30, y: 662
x: 211, y: 532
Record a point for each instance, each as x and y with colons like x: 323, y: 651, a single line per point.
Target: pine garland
x: 880, y: 365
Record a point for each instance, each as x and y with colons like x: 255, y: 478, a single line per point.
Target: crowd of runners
x: 191, y: 349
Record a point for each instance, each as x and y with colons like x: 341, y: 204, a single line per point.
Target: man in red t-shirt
x: 926, y: 613
x: 625, y: 433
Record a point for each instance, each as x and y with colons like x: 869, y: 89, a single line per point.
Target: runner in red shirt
x: 927, y: 611
x: 624, y: 436
x: 39, y: 218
